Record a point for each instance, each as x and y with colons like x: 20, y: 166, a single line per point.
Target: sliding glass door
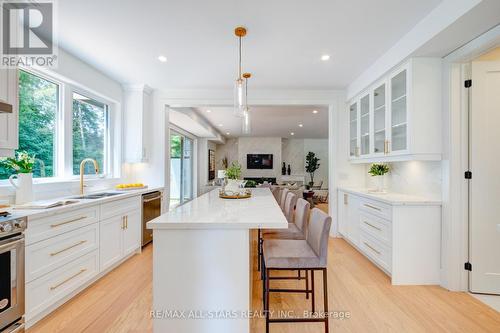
x: 181, y: 169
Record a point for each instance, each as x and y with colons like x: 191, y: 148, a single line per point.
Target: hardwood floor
x: 121, y: 301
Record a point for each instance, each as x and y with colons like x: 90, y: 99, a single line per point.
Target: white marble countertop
x: 208, y: 211
x: 391, y: 197
x: 81, y: 203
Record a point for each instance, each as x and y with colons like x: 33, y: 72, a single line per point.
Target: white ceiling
x: 271, y: 121
x: 285, y: 41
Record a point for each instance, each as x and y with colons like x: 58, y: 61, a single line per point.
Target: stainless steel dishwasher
x: 151, y: 209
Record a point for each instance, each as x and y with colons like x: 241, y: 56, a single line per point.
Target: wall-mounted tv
x: 259, y: 161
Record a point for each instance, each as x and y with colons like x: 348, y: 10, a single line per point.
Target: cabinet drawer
x: 120, y: 207
x: 378, y: 252
x: 376, y: 208
x: 48, y: 289
x: 59, y: 223
x: 377, y: 227
x: 47, y: 255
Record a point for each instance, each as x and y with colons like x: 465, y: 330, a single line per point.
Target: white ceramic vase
x: 380, y: 183
x: 234, y: 185
x: 23, y: 183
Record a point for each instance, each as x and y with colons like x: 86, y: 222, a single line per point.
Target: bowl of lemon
x: 130, y: 186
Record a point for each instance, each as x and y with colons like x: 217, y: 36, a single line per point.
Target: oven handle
x: 11, y: 243
x: 152, y: 199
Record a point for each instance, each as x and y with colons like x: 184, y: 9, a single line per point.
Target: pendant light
x: 246, y: 123
x: 239, y: 93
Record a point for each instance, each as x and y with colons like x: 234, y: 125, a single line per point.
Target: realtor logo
x: 27, y: 33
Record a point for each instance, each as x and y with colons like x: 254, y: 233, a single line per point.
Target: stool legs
x: 325, y: 298
x: 312, y: 288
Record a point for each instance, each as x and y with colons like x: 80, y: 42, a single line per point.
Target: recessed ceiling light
x: 220, y: 125
x: 325, y: 57
x: 300, y: 125
x: 292, y: 133
x: 208, y: 111
x: 227, y: 133
x: 315, y: 111
x: 162, y: 58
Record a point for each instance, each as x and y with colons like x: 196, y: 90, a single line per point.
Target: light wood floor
x: 121, y: 301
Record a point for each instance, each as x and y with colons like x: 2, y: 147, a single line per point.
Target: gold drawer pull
x: 371, y: 247
x: 68, y: 279
x: 373, y: 207
x: 70, y: 221
x: 68, y: 248
x: 371, y: 225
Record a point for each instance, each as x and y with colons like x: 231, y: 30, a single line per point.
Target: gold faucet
x: 82, y: 166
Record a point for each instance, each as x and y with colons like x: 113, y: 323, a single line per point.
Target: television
x: 259, y: 161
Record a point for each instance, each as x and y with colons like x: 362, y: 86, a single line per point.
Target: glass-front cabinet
x: 406, y: 102
x: 353, y: 130
x: 379, y: 120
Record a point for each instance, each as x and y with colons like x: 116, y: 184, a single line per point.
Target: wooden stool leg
x: 266, y: 306
x: 259, y: 249
x: 325, y: 298
x: 312, y: 287
x: 307, y: 283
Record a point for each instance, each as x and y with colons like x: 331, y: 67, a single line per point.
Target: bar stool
x: 284, y: 192
x: 309, y: 255
x: 276, y: 192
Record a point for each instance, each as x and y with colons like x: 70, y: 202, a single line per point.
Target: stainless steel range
x: 12, y: 273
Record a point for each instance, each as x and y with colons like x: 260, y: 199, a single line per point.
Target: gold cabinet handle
x: 386, y: 147
x: 126, y: 222
x: 123, y: 222
x: 371, y: 225
x: 372, y: 248
x: 68, y: 248
x: 373, y: 207
x: 66, y: 222
x: 357, y: 151
x: 68, y: 279
x: 346, y: 200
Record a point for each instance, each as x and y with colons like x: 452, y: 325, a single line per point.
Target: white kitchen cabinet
x: 399, y: 117
x: 9, y: 121
x: 400, y: 234
x: 138, y: 112
x: 120, y: 235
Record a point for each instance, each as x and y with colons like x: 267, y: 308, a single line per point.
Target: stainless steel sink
x: 97, y: 195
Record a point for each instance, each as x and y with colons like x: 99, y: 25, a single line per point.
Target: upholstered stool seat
x: 293, y: 232
x: 290, y: 253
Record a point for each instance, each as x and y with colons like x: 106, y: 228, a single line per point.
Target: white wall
x: 228, y: 150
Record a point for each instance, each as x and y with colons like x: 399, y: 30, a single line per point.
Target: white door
x: 484, y: 225
x: 132, y: 232
x: 111, y: 241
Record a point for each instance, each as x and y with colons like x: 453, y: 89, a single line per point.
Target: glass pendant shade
x: 246, y: 123
x: 239, y: 97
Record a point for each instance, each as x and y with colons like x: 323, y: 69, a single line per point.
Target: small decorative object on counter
x: 234, y: 184
x: 378, y: 170
x: 283, y: 169
x: 22, y: 180
x: 241, y: 194
x: 131, y: 186
x: 289, y: 170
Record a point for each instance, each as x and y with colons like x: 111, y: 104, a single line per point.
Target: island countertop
x: 208, y: 211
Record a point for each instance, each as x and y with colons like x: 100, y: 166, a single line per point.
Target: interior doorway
x: 181, y: 168
x: 484, y: 182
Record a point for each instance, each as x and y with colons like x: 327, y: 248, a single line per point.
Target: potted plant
x: 22, y: 165
x: 311, y: 166
x: 378, y: 170
x: 233, y: 174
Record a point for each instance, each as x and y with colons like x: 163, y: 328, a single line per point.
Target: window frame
x: 63, y: 136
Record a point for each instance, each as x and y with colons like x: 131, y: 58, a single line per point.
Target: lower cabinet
x: 120, y: 236
x: 67, y: 251
x: 403, y: 238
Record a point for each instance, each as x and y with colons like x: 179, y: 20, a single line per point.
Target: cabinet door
x: 111, y: 241
x: 399, y: 111
x: 353, y: 218
x: 353, y: 130
x: 343, y: 201
x: 364, y: 116
x: 379, y: 120
x: 132, y: 232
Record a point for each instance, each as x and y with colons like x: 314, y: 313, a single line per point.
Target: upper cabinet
x: 8, y: 121
x: 399, y: 116
x: 137, y: 105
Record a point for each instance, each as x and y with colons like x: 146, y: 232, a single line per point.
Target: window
x: 38, y: 108
x: 47, y: 107
x: 90, y: 123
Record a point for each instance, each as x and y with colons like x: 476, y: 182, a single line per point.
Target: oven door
x: 11, y: 280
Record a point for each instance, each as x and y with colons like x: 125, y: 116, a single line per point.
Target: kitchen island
x: 202, y: 262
